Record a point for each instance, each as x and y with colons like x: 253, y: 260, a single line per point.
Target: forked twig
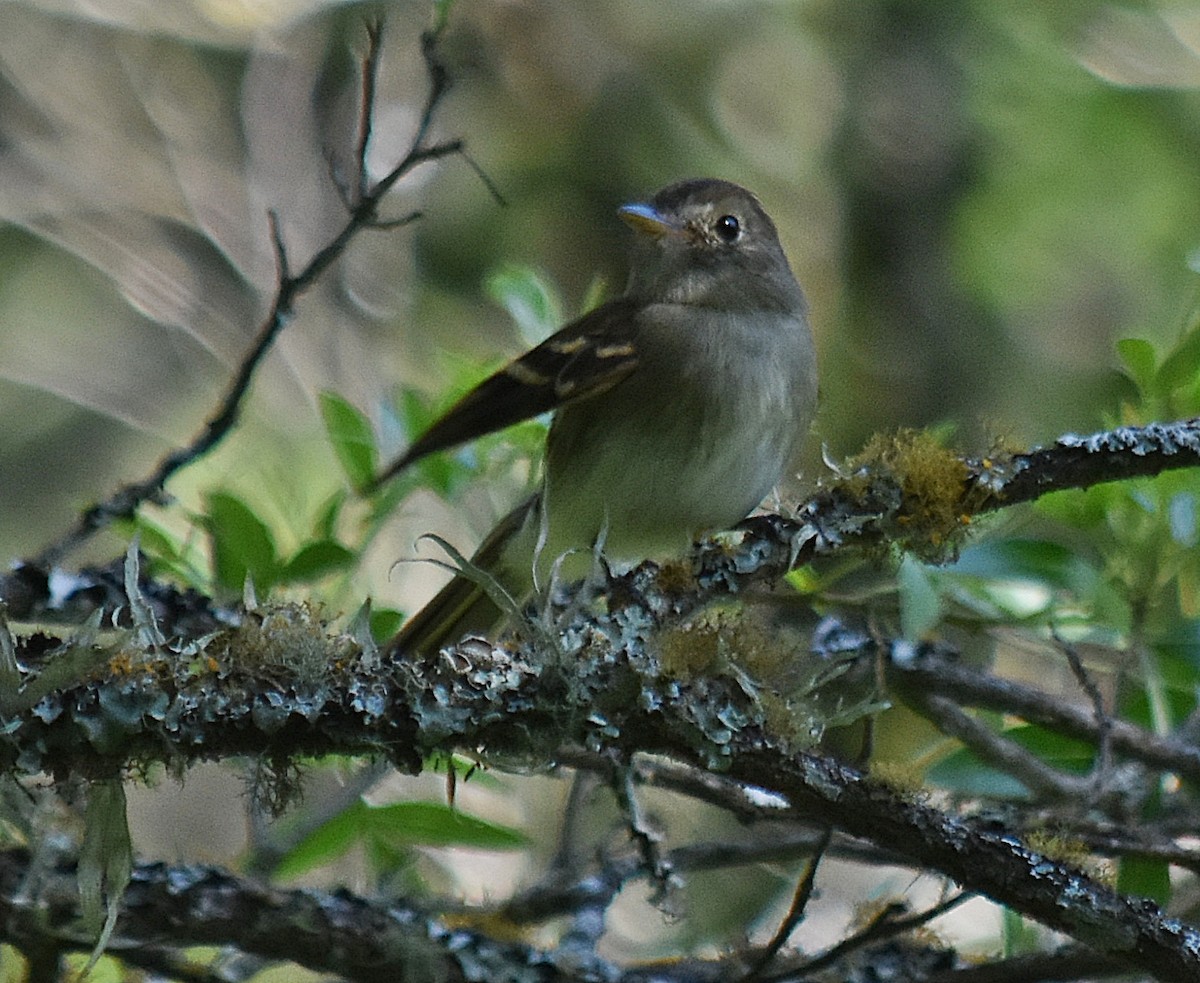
x: 363, y: 214
x: 800, y: 898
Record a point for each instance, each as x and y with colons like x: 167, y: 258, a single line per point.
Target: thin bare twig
x: 366, y: 110
x: 997, y: 750
x: 564, y: 860
x: 1074, y: 962
x: 658, y: 867
x: 123, y: 503
x: 1104, y: 722
x: 969, y: 687
x: 800, y: 899
x: 560, y: 894
x: 884, y: 925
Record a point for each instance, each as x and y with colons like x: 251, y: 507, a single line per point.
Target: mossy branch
x: 282, y: 684
x: 497, y: 703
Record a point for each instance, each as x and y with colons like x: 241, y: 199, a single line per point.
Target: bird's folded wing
x: 588, y: 356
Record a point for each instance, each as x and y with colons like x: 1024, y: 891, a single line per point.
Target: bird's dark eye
x: 728, y: 228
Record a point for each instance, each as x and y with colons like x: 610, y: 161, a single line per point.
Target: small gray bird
x: 677, y: 407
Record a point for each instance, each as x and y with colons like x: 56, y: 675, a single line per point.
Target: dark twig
x: 658, y: 867
x: 484, y: 178
x: 886, y: 924
x: 165, y: 963
x: 563, y: 860
x: 558, y: 895
x: 363, y: 215
x: 1104, y: 722
x: 968, y: 687
x: 1079, y: 462
x: 1049, y: 783
x: 1074, y: 962
x: 800, y: 899
x: 366, y: 110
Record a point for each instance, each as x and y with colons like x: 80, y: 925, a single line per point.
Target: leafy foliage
x: 970, y: 275
x: 388, y: 832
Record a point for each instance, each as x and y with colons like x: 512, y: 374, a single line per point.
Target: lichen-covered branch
x: 607, y: 693
x: 334, y: 933
x: 1075, y: 461
x: 368, y: 941
x: 279, y: 684
x: 910, y: 489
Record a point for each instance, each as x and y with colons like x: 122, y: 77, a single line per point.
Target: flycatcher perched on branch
x: 677, y: 406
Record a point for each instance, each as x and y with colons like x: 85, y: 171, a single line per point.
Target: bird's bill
x: 648, y: 220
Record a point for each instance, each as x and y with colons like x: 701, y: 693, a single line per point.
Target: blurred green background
x: 980, y: 199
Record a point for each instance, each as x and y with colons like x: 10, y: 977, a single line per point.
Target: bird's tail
x: 472, y: 603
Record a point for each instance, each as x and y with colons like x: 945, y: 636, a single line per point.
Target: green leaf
x: 1020, y: 935
x: 441, y: 472
x: 393, y: 829
x: 1145, y: 877
x: 241, y: 543
x: 1066, y: 753
x: 329, y: 841
x: 165, y: 554
x: 962, y: 773
x: 316, y: 560
x: 1188, y: 580
x: 353, y: 441
x: 1082, y: 509
x: 441, y: 13
x: 385, y: 622
x: 105, y: 861
x: 436, y: 824
x: 325, y: 524
x: 1139, y: 358
x: 529, y: 301
x: 414, y: 412
x: 920, y: 606
x: 1181, y: 365
x: 154, y: 541
x: 1169, y: 675
x: 595, y: 293
x: 1027, y: 559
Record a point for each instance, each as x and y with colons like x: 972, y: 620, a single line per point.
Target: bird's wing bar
x: 588, y: 356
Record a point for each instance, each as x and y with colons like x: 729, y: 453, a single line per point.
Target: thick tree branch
x: 337, y: 933
x: 334, y: 933
x: 607, y: 695
x: 530, y: 702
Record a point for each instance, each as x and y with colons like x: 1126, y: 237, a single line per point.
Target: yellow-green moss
x: 936, y: 510
x: 1068, y: 850
x: 288, y: 637
x: 796, y: 696
x: 905, y: 779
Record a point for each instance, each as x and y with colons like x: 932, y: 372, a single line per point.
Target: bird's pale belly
x: 653, y: 496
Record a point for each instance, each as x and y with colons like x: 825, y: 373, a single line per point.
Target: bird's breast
x: 691, y: 441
